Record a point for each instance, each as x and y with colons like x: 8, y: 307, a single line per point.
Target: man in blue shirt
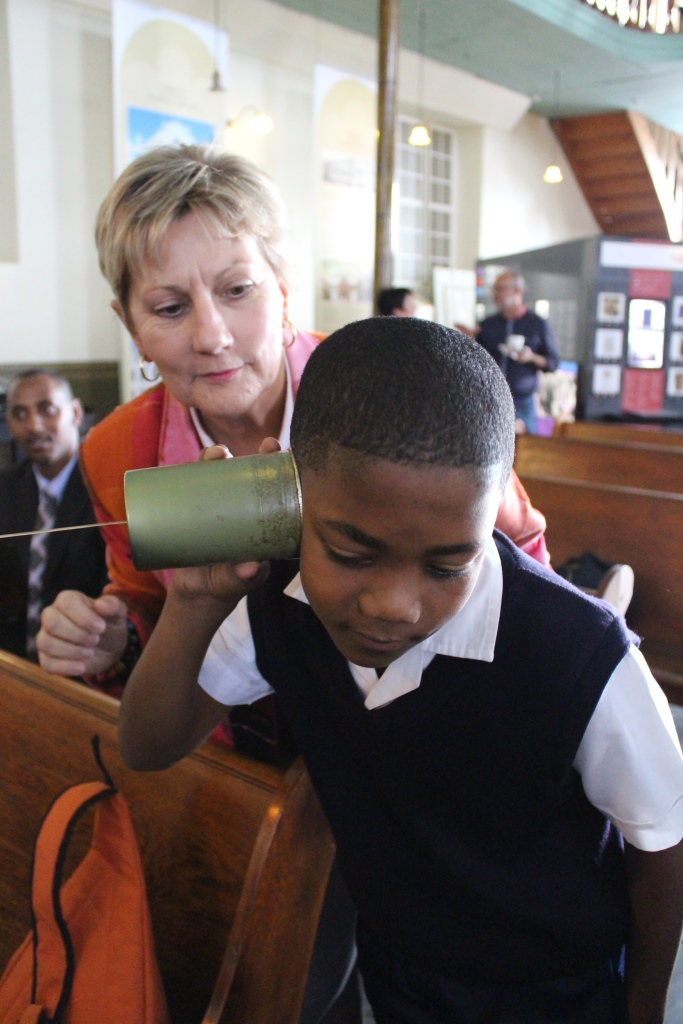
x: 521, y: 342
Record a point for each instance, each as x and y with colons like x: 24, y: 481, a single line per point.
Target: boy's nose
x: 391, y: 604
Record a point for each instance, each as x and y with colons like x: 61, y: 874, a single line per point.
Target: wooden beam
x: 389, y: 16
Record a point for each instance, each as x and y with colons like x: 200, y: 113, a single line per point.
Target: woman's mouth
x: 221, y: 374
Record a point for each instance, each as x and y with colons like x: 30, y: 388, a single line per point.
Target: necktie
x: 45, y: 519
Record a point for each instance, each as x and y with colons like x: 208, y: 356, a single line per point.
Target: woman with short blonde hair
x: 191, y: 241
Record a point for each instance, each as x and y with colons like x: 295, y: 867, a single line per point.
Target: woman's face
x: 210, y: 316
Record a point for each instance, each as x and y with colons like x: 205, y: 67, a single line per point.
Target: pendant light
x: 216, y: 80
x: 419, y: 136
x: 553, y: 172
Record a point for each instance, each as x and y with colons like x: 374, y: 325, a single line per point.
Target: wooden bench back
x: 639, y: 527
x: 236, y: 854
x: 631, y: 433
x: 609, y: 462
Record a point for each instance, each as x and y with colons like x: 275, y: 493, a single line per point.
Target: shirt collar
x: 206, y: 441
x: 469, y: 634
x: 55, y: 487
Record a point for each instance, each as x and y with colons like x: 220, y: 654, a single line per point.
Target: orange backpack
x: 90, y: 958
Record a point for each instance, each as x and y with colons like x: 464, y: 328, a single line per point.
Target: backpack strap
x: 53, y: 954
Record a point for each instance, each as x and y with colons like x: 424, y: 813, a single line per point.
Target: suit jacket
x: 75, y: 561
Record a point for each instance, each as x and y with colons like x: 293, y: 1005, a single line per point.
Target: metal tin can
x: 226, y: 510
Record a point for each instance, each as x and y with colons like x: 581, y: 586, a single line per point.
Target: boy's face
x: 391, y: 552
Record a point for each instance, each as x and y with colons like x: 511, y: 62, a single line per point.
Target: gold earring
x: 150, y: 380
x: 292, y: 330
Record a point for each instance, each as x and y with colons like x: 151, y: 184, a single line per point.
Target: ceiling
x: 568, y: 57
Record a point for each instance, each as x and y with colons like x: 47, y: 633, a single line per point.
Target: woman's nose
x: 397, y: 603
x: 210, y: 332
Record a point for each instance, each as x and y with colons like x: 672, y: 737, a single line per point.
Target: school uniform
x: 478, y: 790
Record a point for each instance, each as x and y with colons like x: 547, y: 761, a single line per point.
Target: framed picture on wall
x: 646, y: 321
x: 611, y: 307
x: 674, y: 382
x: 676, y: 347
x: 606, y: 379
x: 609, y: 343
x: 677, y: 311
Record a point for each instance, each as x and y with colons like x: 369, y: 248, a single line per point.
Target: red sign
x: 643, y: 390
x: 650, y: 284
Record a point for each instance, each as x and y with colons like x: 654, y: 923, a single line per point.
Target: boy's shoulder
x: 543, y: 613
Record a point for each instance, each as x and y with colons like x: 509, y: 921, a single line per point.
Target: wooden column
x: 389, y: 16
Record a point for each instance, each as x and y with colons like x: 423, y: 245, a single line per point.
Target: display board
x: 634, y: 348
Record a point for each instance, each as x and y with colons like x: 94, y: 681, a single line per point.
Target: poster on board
x: 643, y: 391
x: 611, y: 308
x: 606, y: 379
x: 609, y: 343
x: 163, y: 66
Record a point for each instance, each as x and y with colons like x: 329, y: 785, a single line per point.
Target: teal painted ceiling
x: 523, y: 44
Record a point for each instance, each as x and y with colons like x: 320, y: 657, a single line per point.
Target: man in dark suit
x: 44, y: 491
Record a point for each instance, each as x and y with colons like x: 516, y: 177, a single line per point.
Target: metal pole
x: 389, y: 16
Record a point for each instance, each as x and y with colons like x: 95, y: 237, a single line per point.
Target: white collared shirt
x: 206, y: 441
x: 629, y: 759
x: 56, y: 487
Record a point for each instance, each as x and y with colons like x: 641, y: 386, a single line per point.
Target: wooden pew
x: 236, y: 854
x: 632, y: 433
x: 643, y: 466
x: 626, y: 524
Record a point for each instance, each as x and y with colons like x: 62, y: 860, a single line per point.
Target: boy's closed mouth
x: 380, y: 643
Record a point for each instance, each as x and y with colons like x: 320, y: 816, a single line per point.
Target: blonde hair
x: 167, y: 183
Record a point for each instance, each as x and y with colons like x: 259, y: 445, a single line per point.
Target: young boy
x: 480, y: 734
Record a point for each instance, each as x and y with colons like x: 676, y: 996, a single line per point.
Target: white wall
x: 53, y: 303
x: 518, y: 209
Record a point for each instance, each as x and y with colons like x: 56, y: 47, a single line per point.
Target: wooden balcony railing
x: 659, y: 16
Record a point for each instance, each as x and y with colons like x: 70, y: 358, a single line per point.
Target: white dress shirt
x: 629, y: 759
x: 55, y: 487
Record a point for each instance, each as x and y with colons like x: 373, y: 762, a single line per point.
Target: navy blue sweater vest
x: 462, y: 829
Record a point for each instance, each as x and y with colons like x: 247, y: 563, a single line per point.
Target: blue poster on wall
x: 150, y: 128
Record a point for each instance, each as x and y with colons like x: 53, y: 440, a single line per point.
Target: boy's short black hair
x: 390, y: 299
x: 404, y: 390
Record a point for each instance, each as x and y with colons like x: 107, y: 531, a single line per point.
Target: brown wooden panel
x: 645, y: 467
x: 204, y: 826
x: 593, y: 126
x: 619, y: 186
x: 602, y: 165
x: 606, y: 157
x: 628, y: 207
x: 621, y: 433
x: 620, y: 526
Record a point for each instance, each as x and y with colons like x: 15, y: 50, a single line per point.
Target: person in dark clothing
x: 396, y: 302
x: 521, y: 342
x: 482, y: 736
x: 41, y: 492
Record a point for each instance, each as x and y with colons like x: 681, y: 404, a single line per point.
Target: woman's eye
x: 239, y: 291
x: 172, y: 310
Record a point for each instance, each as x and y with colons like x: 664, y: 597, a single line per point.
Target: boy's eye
x: 352, y: 561
x: 439, y: 573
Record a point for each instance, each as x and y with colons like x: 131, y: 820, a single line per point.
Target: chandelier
x: 649, y: 15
